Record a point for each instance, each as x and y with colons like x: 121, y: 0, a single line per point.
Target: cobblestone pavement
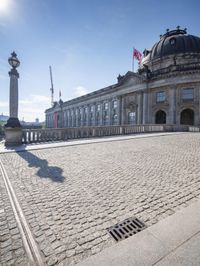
x: 70, y: 195
x: 11, y: 247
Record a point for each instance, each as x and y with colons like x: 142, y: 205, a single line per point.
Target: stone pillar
x: 172, y: 101
x: 175, y: 105
x: 101, y: 113
x: 65, y: 118
x: 139, y: 109
x: 119, y: 110
x: 77, y: 116
x: 94, y: 114
x: 72, y: 117
x: 52, y: 122
x: 122, y: 111
x: 88, y: 116
x: 144, y: 119
x: 13, y: 130
x: 110, y: 112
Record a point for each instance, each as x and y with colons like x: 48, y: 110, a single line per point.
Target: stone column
x: 122, y: 111
x: 13, y: 131
x: 76, y: 117
x: 65, y: 118
x: 144, y: 119
x: 139, y: 109
x: 88, y: 115
x: 101, y: 113
x: 72, y: 117
x: 175, y: 105
x: 119, y: 110
x: 172, y: 103
x: 94, y: 114
x: 110, y: 112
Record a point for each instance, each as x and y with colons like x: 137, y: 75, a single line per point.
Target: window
x: 115, y: 119
x: 115, y: 104
x: 131, y: 118
x: 172, y: 41
x: 86, y: 110
x: 98, y: 107
x: 187, y: 94
x: 92, y: 108
x: 106, y: 106
x: 160, y: 96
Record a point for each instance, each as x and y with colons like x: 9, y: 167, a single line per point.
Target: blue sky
x: 87, y: 43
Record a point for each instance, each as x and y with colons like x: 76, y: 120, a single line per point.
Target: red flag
x: 137, y: 55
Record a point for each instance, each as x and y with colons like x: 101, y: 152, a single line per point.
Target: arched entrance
x: 160, y: 117
x: 187, y: 117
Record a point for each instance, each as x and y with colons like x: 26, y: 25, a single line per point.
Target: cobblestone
x: 11, y: 247
x: 71, y: 195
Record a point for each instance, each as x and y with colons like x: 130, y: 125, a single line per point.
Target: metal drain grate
x: 126, y: 228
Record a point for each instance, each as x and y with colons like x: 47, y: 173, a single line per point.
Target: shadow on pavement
x: 44, y: 171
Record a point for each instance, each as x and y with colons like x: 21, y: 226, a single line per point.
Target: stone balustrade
x: 194, y: 129
x: 58, y: 134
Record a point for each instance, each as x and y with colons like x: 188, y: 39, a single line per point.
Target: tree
x: 1, y: 130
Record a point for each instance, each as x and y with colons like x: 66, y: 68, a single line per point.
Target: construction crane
x: 52, y: 88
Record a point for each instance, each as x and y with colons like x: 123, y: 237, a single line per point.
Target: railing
x: 193, y: 129
x: 58, y: 134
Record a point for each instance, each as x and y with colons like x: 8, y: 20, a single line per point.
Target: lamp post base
x: 13, y: 136
x: 13, y: 122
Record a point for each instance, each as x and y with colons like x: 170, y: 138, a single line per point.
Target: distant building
x: 30, y: 125
x: 3, y: 118
x: 165, y: 90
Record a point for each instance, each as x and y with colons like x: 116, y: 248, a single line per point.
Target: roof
x: 121, y: 81
x: 172, y: 43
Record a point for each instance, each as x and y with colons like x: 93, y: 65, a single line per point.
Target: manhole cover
x: 126, y: 228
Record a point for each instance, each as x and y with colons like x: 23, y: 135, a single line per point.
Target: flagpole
x: 133, y: 60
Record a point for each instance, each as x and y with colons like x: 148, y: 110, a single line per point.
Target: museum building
x: 165, y: 90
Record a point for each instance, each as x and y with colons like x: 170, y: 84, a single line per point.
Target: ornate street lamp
x: 13, y: 60
x: 13, y: 128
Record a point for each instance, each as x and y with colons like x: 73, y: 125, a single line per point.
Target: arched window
x: 160, y: 117
x: 131, y: 118
x: 187, y: 117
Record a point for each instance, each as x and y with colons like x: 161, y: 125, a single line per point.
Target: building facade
x: 165, y: 90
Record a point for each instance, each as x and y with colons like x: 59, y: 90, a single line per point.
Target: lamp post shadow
x: 44, y: 170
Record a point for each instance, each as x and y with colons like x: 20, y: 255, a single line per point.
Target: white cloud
x: 30, y: 108
x: 3, y: 104
x: 80, y: 91
x: 33, y: 107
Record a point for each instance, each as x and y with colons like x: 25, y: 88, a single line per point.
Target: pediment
x: 131, y: 78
